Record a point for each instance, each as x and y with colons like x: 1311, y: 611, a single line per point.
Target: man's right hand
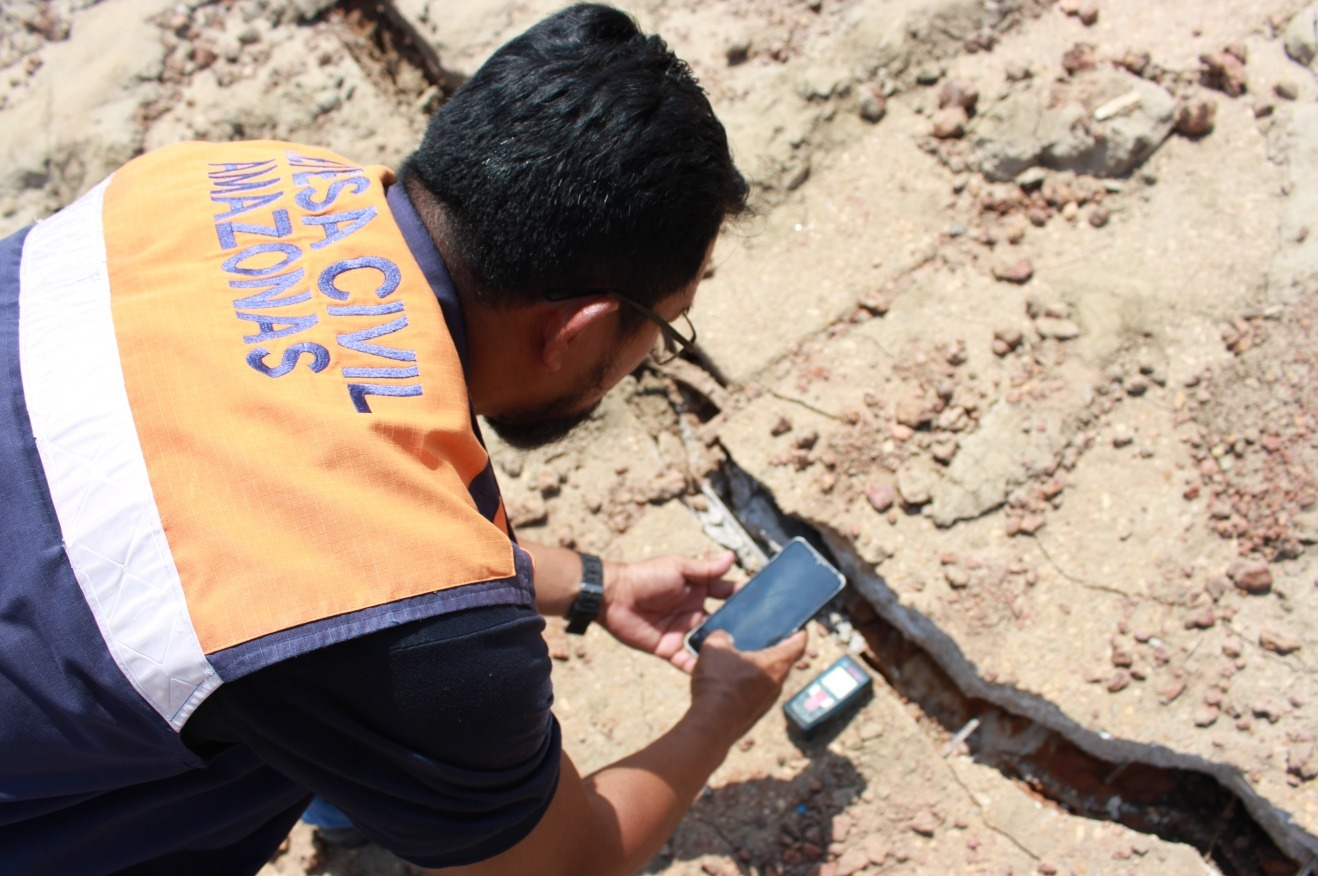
x: 732, y: 689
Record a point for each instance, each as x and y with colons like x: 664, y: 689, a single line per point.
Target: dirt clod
x: 1279, y: 643
x: 872, y: 105
x: 924, y: 823
x: 1019, y: 271
x: 1223, y: 71
x: 1195, y: 117
x: 949, y: 122
x: 1250, y: 576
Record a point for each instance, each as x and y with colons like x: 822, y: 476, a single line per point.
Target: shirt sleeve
x: 435, y: 737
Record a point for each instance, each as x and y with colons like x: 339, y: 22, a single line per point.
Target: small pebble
x: 873, y: 105
x: 949, y: 122
x: 1250, y: 576
x: 880, y: 496
x: 1019, y: 271
x: 1278, y: 643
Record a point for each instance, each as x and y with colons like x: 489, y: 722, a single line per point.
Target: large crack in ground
x: 1148, y: 788
x: 1028, y: 739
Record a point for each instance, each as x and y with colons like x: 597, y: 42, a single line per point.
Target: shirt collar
x: 432, y: 267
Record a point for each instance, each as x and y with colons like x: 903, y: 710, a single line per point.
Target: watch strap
x: 590, y: 599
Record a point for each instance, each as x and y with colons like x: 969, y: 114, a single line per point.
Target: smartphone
x: 776, y: 602
x: 833, y: 694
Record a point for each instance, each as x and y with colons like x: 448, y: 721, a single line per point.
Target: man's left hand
x: 652, y: 605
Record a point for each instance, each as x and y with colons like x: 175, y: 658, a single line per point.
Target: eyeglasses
x: 668, y: 345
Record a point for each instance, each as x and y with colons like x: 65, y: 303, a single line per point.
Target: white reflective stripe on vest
x: 80, y: 415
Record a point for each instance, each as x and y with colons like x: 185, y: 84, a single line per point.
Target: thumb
x: 790, y: 648
x: 720, y: 639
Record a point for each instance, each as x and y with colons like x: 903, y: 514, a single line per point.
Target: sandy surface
x: 1057, y: 427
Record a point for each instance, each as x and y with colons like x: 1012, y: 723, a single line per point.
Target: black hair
x: 582, y: 155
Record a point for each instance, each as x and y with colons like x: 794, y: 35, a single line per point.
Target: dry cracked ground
x: 1024, y: 334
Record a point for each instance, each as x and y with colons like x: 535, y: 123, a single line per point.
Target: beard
x: 529, y: 429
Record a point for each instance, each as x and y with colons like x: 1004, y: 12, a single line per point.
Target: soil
x: 1023, y: 334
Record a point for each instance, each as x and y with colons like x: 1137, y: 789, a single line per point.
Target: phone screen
x: 777, y: 602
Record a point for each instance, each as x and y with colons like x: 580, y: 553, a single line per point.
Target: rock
x: 924, y: 823
x: 1135, y: 61
x: 1206, y: 716
x: 1121, y: 435
x: 782, y: 427
x: 875, y: 303
x: 1196, y: 117
x: 1032, y: 523
x: 1099, y: 216
x: 1117, y: 681
x: 1019, y: 271
x: 548, y: 482
x: 957, y: 93
x: 880, y: 496
x: 915, y: 482
x: 957, y: 577
x: 1006, y: 339
x: 807, y: 440
x: 1016, y: 72
x: 1078, y: 58
x: 950, y: 122
x: 1301, y: 36
x: 912, y: 409
x: 1223, y: 71
x: 1202, y: 619
x: 1172, y: 688
x: 1060, y: 329
x: 737, y: 51
x: 1300, y: 760
x: 1279, y: 643
x: 873, y: 106
x: 1268, y: 708
x: 944, y: 450
x: 1054, y: 125
x: 1286, y: 90
x: 1250, y: 576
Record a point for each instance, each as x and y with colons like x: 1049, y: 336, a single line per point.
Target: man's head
x: 581, y: 164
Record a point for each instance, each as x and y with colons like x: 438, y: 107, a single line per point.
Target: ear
x: 566, y: 322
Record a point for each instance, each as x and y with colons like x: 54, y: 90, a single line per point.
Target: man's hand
x: 614, y: 820
x: 651, y: 606
x: 736, y: 687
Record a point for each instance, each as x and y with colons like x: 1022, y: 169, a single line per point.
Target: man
x: 254, y: 548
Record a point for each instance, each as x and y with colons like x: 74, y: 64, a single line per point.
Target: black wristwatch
x: 586, y: 607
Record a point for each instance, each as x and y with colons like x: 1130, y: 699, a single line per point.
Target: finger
x: 721, y: 640
x: 687, y: 620
x: 722, y: 588
x: 709, y: 568
x: 684, y: 661
x: 789, y: 649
